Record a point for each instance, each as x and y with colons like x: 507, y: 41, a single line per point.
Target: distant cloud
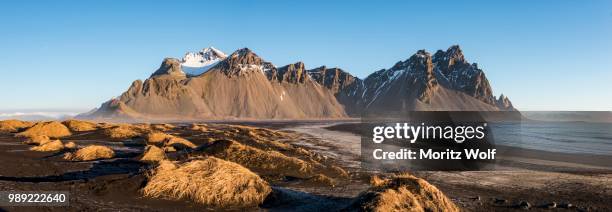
x: 39, y: 115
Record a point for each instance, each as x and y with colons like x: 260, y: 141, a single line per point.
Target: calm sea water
x: 567, y: 137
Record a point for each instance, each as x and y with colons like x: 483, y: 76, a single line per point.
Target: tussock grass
x: 12, y: 126
x: 262, y: 161
x: 121, y: 132
x: 37, y: 140
x: 166, y: 140
x: 153, y: 154
x: 70, y: 145
x: 52, y: 129
x: 403, y: 192
x: 80, y: 126
x: 209, y: 181
x: 180, y: 143
x: 157, y: 137
x: 198, y: 127
x: 162, y: 127
x: 91, y: 152
x: 50, y: 146
x: 322, y: 179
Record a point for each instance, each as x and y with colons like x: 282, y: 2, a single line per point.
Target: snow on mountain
x: 196, y: 63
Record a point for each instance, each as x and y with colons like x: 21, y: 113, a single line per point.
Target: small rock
x: 500, y: 201
x: 550, y: 205
x: 566, y: 205
x: 524, y: 205
x: 476, y: 198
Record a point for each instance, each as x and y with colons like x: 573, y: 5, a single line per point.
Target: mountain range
x: 212, y: 85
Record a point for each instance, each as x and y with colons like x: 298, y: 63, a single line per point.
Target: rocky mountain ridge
x: 245, y: 86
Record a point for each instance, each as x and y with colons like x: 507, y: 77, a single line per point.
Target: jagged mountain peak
x: 196, y: 63
x: 292, y: 73
x: 421, y: 53
x: 213, y: 51
x: 169, y: 67
x: 452, y: 56
x: 244, y: 61
x: 206, y: 54
x: 504, y: 103
x: 244, y: 56
x: 458, y: 74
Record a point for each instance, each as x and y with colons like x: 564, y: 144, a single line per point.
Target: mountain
x: 211, y: 85
x: 242, y: 85
x: 444, y: 81
x: 346, y: 87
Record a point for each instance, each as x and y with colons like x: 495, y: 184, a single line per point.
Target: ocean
x: 565, y: 137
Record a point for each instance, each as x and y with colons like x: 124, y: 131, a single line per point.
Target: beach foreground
x: 297, y: 167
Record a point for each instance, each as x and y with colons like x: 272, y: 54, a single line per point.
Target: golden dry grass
x: 12, y: 126
x: 37, y: 140
x: 142, y: 126
x: 198, y: 127
x: 264, y: 161
x: 322, y: 179
x: 52, y: 129
x: 70, y: 145
x: 209, y: 181
x: 157, y: 137
x: 153, y: 154
x: 403, y: 192
x: 51, y: 146
x: 105, y: 125
x: 169, y: 149
x: 80, y: 126
x: 121, y: 132
x: 266, y: 139
x: 179, y: 143
x: 91, y: 152
x: 337, y: 171
x: 162, y: 127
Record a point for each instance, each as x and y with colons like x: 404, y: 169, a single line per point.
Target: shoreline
x: 538, y: 177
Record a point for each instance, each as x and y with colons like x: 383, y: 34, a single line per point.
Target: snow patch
x: 196, y: 63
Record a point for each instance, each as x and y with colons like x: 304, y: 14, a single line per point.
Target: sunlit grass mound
x: 91, y: 152
x: 52, y: 129
x: 198, y: 127
x: 80, y: 126
x: 50, y: 146
x: 166, y: 140
x: 121, y: 132
x: 261, y: 161
x: 209, y: 181
x: 70, y: 145
x: 403, y: 192
x: 157, y: 137
x: 37, y: 140
x: 179, y: 143
x: 162, y: 127
x: 12, y: 126
x: 153, y: 154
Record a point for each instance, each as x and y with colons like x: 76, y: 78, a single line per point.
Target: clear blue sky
x: 544, y: 55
